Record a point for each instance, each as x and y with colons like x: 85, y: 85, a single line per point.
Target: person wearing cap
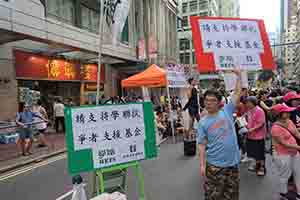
x: 286, y: 155
x: 218, y: 146
x: 257, y: 131
x: 292, y: 99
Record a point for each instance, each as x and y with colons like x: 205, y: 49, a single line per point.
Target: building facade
x: 229, y: 8
x: 288, y: 35
x: 60, y: 38
x: 287, y: 14
x: 297, y: 46
x: 189, y: 8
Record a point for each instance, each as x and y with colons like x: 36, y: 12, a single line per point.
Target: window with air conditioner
x: 203, y: 14
x: 184, y: 44
x: 89, y: 19
x: 193, y: 6
x: 184, y: 58
x: 185, y: 21
x: 184, y: 7
x: 203, y: 4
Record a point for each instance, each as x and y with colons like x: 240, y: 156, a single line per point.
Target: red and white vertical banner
x: 152, y: 47
x: 141, y: 49
x: 226, y: 43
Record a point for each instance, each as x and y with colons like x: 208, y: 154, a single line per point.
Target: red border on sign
x: 206, y: 61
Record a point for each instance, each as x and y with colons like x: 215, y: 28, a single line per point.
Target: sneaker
x: 298, y: 197
x: 245, y: 159
x: 252, y: 167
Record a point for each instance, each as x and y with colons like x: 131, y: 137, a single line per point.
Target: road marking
x: 62, y: 197
x: 31, y: 167
x: 65, y: 195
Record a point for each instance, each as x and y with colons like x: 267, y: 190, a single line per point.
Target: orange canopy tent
x: 153, y: 76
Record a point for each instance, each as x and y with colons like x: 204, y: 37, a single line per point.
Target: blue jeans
x: 25, y: 133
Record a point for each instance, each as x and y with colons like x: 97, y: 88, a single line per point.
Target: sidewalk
x: 10, y: 155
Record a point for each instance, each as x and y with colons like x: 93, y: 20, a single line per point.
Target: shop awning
x: 153, y: 76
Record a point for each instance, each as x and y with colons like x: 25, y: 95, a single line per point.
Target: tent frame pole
x: 171, y: 114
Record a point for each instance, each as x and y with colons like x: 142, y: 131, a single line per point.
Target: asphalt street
x: 169, y: 177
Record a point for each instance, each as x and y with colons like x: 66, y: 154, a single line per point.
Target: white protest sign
x: 234, y: 43
x: 230, y: 80
x: 225, y: 43
x: 115, y: 133
x: 177, y: 76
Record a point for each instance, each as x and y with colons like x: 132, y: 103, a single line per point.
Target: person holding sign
x: 218, y: 146
x: 192, y: 105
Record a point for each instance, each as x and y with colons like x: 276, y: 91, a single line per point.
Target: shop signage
x: 89, y: 72
x: 104, y: 136
x: 141, y: 49
x: 224, y: 43
x: 152, y: 47
x: 92, y: 86
x: 31, y: 66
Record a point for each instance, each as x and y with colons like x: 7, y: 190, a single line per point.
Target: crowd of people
x: 231, y: 128
x: 237, y: 131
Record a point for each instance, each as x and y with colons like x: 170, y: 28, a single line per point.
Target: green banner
x: 103, y: 136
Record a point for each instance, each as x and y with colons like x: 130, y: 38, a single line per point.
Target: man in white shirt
x: 40, y: 126
x: 59, y: 115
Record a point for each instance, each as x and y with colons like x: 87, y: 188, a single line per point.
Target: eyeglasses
x: 211, y: 100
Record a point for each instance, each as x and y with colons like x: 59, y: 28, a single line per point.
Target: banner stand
x: 120, y: 171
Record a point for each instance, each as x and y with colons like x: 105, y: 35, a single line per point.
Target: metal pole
x: 92, y: 189
x: 171, y: 114
x: 101, y: 31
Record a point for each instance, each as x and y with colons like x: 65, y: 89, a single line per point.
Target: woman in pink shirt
x: 256, y: 135
x: 286, y: 155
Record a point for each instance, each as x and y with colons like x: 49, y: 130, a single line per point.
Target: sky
x: 268, y: 10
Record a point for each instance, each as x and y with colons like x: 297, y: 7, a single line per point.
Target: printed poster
x: 227, y: 43
x: 116, y: 133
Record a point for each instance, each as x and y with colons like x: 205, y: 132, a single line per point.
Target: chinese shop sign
x: 89, y: 72
x: 224, y: 43
x: 31, y: 66
x: 104, y: 136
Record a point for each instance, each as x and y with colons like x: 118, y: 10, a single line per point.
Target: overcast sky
x: 268, y: 10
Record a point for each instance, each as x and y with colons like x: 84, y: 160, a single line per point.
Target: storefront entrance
x: 49, y: 91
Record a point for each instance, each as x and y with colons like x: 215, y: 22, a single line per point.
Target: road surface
x: 170, y: 177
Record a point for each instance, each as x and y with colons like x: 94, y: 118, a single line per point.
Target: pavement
x: 10, y: 155
x: 171, y: 176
